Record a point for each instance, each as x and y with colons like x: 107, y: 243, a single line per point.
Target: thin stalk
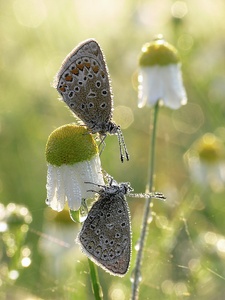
x: 149, y: 188
x: 96, y: 287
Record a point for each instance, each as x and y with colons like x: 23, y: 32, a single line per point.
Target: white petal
x: 90, y: 171
x: 161, y: 83
x: 150, y: 86
x: 72, y: 187
x: 174, y: 92
x: 55, y: 188
x: 68, y: 182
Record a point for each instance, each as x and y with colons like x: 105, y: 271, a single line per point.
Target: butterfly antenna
x: 99, y: 185
x: 93, y: 191
x: 156, y: 195
x: 122, y: 145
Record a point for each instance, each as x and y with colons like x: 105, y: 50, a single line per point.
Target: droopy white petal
x: 161, y: 83
x: 150, y: 86
x: 72, y: 187
x: 174, y: 92
x: 76, y: 178
x: 55, y: 188
x: 68, y: 182
x: 94, y: 175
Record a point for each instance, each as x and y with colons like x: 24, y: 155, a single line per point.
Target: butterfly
x: 105, y: 236
x: 83, y: 82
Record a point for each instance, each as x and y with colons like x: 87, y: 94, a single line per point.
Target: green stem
x: 96, y: 287
x: 147, y: 211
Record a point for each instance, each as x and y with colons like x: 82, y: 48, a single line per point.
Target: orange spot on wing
x: 62, y: 88
x: 103, y: 74
x: 75, y: 71
x: 87, y: 65
x: 80, y: 66
x: 69, y: 78
x: 95, y: 69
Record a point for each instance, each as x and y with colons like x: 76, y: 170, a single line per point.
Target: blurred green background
x: 185, y: 249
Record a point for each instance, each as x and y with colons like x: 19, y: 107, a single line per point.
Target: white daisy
x: 73, y: 159
x: 160, y: 76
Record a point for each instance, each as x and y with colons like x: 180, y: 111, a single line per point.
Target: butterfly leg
x: 102, y: 143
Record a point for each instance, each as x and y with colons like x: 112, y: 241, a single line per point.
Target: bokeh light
x: 185, y: 248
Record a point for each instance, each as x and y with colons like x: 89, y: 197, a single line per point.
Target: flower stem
x: 96, y: 287
x: 147, y: 211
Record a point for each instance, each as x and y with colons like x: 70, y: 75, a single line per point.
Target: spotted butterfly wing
x: 84, y: 84
x: 105, y: 236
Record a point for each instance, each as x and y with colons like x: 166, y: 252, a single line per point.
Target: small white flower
x: 160, y: 76
x: 206, y: 162
x: 73, y: 159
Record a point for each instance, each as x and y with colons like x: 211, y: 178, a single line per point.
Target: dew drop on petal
x: 75, y: 215
x: 80, y: 215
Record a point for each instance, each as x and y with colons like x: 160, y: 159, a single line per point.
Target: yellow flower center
x: 70, y: 144
x: 158, y: 52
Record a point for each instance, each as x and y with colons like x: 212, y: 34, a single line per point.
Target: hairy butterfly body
x: 84, y: 84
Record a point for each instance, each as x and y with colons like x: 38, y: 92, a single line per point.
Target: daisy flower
x: 73, y: 160
x: 160, y: 76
